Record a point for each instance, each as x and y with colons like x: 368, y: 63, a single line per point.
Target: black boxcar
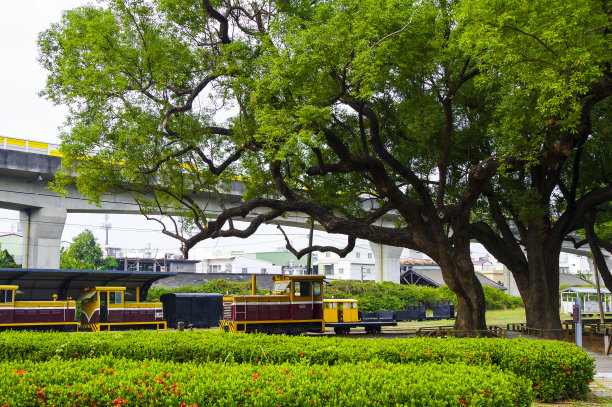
x: 443, y: 309
x: 194, y: 309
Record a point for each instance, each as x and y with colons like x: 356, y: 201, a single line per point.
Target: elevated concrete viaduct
x: 26, y: 171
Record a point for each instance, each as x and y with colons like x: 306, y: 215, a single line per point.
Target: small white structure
x: 588, y: 296
x: 239, y: 265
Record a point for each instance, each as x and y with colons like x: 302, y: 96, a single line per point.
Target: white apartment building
x: 237, y: 264
x: 357, y: 265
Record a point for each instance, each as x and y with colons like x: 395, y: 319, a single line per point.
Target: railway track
x: 441, y: 331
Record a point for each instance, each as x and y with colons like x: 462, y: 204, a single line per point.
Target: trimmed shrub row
x: 388, y: 296
x: 110, y: 382
x: 556, y: 370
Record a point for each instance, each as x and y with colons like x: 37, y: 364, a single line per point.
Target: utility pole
x: 309, y: 258
x: 106, y: 225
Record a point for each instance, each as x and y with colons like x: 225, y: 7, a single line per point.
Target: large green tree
x: 363, y: 115
x: 553, y: 61
x: 84, y: 253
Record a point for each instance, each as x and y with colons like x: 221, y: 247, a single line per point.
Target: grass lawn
x: 494, y: 317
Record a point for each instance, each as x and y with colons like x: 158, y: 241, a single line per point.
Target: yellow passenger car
x: 340, y: 310
x: 52, y: 314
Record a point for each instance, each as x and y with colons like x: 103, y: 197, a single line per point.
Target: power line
x: 128, y: 229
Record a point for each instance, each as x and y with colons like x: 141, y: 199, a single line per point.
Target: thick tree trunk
x: 539, y: 286
x: 459, y: 275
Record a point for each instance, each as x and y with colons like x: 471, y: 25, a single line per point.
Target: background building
x: 357, y: 265
x: 238, y: 264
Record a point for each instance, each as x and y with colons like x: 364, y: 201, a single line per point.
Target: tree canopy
x: 84, y: 253
x: 382, y: 120
x: 553, y: 61
x: 7, y: 260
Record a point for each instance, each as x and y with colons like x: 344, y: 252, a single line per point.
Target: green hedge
x: 116, y: 382
x: 544, y: 363
x: 388, y: 296
x: 220, y: 286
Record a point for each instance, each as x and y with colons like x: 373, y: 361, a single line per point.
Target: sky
x: 25, y: 115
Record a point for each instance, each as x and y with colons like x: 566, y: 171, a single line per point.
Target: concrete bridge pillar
x: 387, y: 265
x: 42, y: 230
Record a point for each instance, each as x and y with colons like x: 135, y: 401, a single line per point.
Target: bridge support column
x: 387, y: 265
x: 42, y: 230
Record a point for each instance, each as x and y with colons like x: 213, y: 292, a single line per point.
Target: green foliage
x: 325, y: 104
x: 545, y: 364
x: 111, y: 381
x: 220, y: 286
x: 547, y: 55
x: 85, y: 254
x: 388, y: 296
x: 7, y: 260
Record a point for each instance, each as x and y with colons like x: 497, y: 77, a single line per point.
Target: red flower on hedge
x: 256, y: 376
x: 40, y: 393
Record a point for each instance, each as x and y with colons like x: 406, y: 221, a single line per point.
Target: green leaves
x: 7, y: 260
x: 548, y: 54
x: 341, y: 365
x: 388, y: 296
x: 124, y: 382
x: 85, y: 254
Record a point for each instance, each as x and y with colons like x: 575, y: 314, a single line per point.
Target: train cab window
x: 282, y: 287
x: 115, y: 297
x: 329, y: 305
x: 316, y: 289
x: 302, y: 289
x: 347, y: 305
x: 87, y: 297
x: 6, y: 296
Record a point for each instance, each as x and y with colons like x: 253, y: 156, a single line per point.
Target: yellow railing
x: 29, y: 146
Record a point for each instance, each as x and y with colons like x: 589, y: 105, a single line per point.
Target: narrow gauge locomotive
x: 295, y: 306
x: 100, y: 307
x: 105, y: 307
x: 35, y: 314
